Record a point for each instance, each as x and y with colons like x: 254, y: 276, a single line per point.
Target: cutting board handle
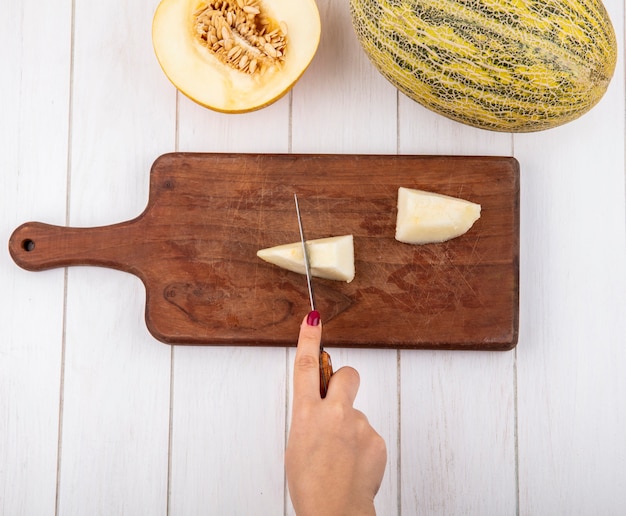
x: 36, y: 246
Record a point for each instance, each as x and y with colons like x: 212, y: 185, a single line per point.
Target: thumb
x: 344, y: 385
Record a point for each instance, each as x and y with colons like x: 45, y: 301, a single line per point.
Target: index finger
x: 306, y: 370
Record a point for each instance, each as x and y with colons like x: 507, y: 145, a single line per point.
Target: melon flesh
x: 201, y: 70
x: 330, y: 258
x: 426, y: 217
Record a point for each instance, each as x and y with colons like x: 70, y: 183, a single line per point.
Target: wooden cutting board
x: 194, y: 247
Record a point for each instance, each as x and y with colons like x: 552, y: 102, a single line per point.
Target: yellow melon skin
x: 501, y: 65
x: 197, y: 73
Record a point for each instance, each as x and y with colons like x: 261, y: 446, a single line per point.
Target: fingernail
x: 313, y: 319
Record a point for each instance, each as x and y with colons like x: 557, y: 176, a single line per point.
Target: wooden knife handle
x: 326, y: 371
x: 35, y: 246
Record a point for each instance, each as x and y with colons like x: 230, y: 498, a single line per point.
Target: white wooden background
x: 98, y: 418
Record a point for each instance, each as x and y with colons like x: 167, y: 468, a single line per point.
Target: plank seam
x: 290, y: 124
x: 68, y: 189
x: 399, y: 439
x: 516, y: 433
x: 170, y: 432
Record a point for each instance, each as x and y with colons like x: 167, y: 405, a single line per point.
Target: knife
x: 326, y: 366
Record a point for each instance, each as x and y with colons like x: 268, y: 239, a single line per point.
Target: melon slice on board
x: 330, y: 258
x: 426, y: 217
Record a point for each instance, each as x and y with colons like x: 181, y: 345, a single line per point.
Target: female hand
x: 335, y: 460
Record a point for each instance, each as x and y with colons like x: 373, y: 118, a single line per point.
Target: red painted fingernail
x: 313, y: 319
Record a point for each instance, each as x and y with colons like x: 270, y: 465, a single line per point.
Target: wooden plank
x: 116, y: 402
x: 228, y: 430
x: 203, y: 130
x: 329, y: 117
x: 228, y: 419
x: 424, y: 132
x: 194, y: 247
x: 572, y: 385
x: 452, y: 403
x: 117, y: 379
x: 342, y: 104
x: 33, y: 163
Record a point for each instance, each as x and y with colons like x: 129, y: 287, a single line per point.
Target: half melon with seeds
x: 235, y: 56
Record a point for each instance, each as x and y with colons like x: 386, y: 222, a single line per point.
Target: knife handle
x: 326, y: 371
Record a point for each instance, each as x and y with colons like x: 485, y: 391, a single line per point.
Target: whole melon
x: 502, y: 65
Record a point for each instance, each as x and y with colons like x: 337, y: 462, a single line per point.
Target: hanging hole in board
x: 28, y: 245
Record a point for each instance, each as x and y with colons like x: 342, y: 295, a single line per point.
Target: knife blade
x: 326, y: 366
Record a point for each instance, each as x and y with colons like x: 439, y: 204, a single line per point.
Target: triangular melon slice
x: 330, y: 258
x: 426, y: 217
